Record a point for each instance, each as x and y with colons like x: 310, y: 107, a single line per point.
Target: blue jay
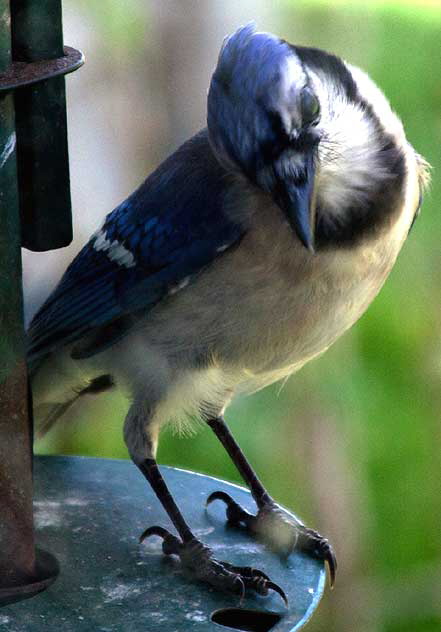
x: 247, y: 253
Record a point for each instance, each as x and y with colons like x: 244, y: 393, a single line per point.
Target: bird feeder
x: 90, y: 512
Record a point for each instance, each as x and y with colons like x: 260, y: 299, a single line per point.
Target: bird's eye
x: 309, y: 107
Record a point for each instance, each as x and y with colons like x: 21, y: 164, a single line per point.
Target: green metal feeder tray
x: 90, y: 512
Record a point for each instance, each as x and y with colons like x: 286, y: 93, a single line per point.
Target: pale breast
x: 268, y: 306
x: 297, y: 303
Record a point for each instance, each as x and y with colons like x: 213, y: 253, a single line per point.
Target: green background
x: 353, y: 442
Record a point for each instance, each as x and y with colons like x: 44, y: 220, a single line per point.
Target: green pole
x: 17, y: 550
x: 40, y: 112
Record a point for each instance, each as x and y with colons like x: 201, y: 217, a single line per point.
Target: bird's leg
x: 271, y: 523
x: 196, y: 558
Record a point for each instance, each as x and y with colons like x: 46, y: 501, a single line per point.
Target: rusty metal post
x: 17, y: 550
x: 34, y: 212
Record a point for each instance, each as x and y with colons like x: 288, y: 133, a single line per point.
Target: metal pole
x: 35, y: 212
x: 40, y: 112
x: 17, y: 549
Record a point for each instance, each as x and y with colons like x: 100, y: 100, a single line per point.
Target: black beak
x: 296, y: 198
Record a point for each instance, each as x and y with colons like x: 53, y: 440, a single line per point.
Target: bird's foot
x: 198, y: 561
x: 279, y: 530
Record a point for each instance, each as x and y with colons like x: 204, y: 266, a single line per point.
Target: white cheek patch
x: 372, y: 94
x: 349, y: 160
x: 114, y: 250
x: 349, y: 166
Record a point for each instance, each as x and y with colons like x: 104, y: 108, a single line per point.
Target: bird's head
x: 316, y: 134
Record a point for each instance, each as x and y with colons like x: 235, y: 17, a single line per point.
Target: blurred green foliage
x: 353, y: 442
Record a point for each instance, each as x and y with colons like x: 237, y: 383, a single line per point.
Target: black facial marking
x: 356, y: 222
x: 359, y: 221
x: 417, y: 212
x: 329, y: 65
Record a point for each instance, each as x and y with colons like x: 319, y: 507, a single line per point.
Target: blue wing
x: 165, y: 232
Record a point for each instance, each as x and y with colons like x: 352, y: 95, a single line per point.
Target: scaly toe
x: 313, y: 543
x: 279, y: 530
x: 197, y: 560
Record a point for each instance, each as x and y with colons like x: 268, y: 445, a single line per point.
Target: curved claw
x: 219, y: 495
x: 241, y: 583
x: 332, y: 565
x: 325, y: 552
x: 257, y: 580
x: 313, y: 542
x: 160, y: 531
x: 272, y: 586
x: 235, y: 513
x: 170, y: 545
